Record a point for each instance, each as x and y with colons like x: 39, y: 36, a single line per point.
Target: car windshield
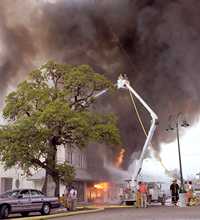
x: 10, y: 194
x: 150, y: 185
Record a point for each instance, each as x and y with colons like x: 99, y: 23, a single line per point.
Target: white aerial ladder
x: 123, y: 83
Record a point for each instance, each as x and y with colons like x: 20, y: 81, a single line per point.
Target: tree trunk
x: 51, y: 162
x: 57, y: 187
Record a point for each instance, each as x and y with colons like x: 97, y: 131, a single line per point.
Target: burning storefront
x: 103, y: 192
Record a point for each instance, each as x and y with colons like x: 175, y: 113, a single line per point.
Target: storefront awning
x: 81, y: 175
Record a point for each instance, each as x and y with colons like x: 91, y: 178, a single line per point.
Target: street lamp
x: 170, y: 128
x: 198, y: 174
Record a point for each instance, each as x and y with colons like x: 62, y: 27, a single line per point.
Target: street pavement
x: 151, y: 213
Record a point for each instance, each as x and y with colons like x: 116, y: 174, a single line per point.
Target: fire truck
x: 155, y: 193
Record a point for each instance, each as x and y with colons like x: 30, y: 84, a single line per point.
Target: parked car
x: 24, y: 201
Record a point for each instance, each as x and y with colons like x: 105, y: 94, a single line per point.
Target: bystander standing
x: 73, y: 198
x: 189, y: 192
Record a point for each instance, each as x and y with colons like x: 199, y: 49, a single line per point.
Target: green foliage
x: 52, y: 108
x: 66, y: 173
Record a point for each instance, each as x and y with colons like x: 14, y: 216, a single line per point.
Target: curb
x: 118, y: 207
x: 59, y: 215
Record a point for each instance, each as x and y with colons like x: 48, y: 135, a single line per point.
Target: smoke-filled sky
x: 155, y: 42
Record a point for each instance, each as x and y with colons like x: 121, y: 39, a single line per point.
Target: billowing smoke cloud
x: 155, y: 42
x: 16, y: 49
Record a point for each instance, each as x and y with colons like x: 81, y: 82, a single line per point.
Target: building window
x: 79, y: 160
x: 82, y: 159
x: 69, y: 157
x: 75, y: 156
x: 82, y: 165
x: 84, y: 162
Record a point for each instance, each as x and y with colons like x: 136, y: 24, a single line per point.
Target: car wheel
x: 24, y: 214
x: 4, y: 211
x: 45, y: 209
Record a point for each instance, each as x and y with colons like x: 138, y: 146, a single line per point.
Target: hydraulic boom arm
x: 124, y: 83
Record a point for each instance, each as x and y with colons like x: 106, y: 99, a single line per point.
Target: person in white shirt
x: 72, y: 198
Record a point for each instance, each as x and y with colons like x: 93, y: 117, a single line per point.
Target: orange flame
x: 102, y: 185
x: 120, y: 158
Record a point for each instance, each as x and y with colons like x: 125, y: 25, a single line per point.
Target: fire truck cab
x: 128, y: 197
x: 155, y: 193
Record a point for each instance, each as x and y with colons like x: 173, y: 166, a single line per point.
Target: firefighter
x: 138, y: 195
x: 174, y: 188
x: 143, y: 190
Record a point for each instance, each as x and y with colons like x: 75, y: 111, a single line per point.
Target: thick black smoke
x: 155, y: 42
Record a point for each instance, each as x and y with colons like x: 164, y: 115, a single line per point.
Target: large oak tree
x: 52, y: 108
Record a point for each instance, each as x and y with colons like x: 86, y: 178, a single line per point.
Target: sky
x: 190, y: 154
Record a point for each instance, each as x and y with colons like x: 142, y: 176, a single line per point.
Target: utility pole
x: 179, y: 155
x: 170, y: 128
